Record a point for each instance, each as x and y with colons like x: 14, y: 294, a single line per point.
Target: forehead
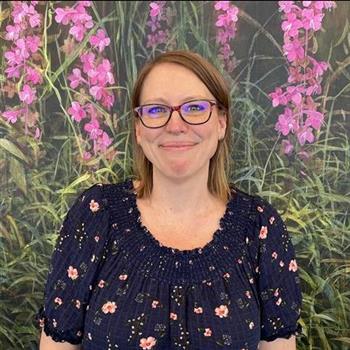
x: 173, y: 83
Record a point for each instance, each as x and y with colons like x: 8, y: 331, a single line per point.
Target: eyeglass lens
x: 194, y: 112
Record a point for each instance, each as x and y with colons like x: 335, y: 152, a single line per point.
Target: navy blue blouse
x: 113, y: 285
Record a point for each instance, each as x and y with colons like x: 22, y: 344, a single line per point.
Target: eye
x: 156, y: 109
x: 198, y: 106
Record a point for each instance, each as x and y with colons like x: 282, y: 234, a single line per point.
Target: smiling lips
x: 177, y: 145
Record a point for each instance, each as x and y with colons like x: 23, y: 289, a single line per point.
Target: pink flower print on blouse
x: 94, y: 206
x: 198, y: 310
x: 109, y: 307
x: 77, y: 304
x: 97, y: 238
x: 173, y: 316
x: 101, y: 284
x: 148, y: 343
x: 274, y: 255
x: 248, y: 295
x: 123, y: 277
x: 207, y: 332
x: 281, y: 263
x: 293, y: 266
x: 72, y: 273
x: 154, y: 304
x: 259, y: 209
x: 251, y: 325
x: 58, y: 301
x: 263, y: 232
x: 279, y: 301
x: 272, y: 220
x: 221, y: 311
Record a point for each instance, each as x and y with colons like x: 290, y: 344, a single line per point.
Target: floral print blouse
x: 113, y: 285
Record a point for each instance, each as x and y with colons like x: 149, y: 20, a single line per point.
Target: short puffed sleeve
x: 74, y: 267
x: 277, y: 275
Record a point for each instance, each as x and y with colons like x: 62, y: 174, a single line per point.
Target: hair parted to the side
x: 220, y: 163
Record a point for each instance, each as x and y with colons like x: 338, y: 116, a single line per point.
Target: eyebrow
x: 188, y: 98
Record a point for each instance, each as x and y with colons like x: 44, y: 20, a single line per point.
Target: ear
x: 138, y: 132
x: 222, y: 124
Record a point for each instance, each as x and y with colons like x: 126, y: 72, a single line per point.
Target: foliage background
x: 39, y: 180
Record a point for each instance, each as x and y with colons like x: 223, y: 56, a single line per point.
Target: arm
x: 278, y: 344
x: 46, y: 343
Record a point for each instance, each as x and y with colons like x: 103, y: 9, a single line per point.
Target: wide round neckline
x: 163, y: 249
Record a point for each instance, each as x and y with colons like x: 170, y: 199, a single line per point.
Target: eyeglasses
x: 193, y: 112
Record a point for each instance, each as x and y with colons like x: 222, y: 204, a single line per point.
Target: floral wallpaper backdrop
x: 67, y: 69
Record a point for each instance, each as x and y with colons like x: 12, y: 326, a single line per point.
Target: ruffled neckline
x: 225, y: 219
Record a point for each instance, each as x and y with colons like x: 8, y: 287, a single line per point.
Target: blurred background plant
x: 67, y: 69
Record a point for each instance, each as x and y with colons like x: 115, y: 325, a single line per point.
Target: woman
x: 177, y: 258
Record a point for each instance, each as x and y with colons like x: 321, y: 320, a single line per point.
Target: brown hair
x: 220, y: 163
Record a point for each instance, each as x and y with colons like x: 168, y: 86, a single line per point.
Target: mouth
x: 177, y: 148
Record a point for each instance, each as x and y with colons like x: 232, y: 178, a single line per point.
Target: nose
x: 176, y: 123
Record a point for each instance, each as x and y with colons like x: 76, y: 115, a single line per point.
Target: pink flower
x: 12, y: 116
x: 263, y: 232
x: 292, y: 25
x: 75, y: 78
x: 173, y: 316
x: 96, y: 92
x: 27, y: 95
x: 93, y: 129
x: 76, y: 111
x: 287, y: 147
x: 32, y: 43
x: 88, y: 61
x: 123, y: 277
x: 78, y: 32
x: 100, y: 40
x: 155, y: 9
x: 207, y: 332
x: 147, y: 344
x: 222, y: 5
x: 32, y: 76
x: 94, y: 206
x: 293, y: 266
x: 101, y: 284
x: 305, y: 134
x: 221, y: 311
x: 286, y: 6
x: 198, y: 310
x: 286, y: 122
x: 314, y: 119
x: 293, y: 50
x: 109, y: 307
x: 12, y: 32
x: 58, y: 301
x: 64, y: 15
x: 37, y: 133
x: 72, y: 273
x: 278, y: 97
x: 104, y: 142
x: 311, y: 20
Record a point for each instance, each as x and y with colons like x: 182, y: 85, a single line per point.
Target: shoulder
x: 255, y: 208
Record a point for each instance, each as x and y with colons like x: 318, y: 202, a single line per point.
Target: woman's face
x: 172, y: 84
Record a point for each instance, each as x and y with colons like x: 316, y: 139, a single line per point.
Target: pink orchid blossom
x: 76, y: 111
x: 27, y: 95
x: 100, y: 40
x: 93, y: 128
